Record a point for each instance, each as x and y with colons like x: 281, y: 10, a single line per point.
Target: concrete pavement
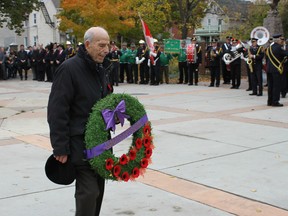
x: 219, y: 152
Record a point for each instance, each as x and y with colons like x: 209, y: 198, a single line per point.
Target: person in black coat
x: 22, y: 60
x: 142, y: 58
x: 276, y: 55
x: 214, y: 56
x: 79, y: 83
x: 256, y: 56
x: 60, y: 58
x: 41, y: 63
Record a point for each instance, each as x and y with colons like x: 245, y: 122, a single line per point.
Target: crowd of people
x: 140, y: 65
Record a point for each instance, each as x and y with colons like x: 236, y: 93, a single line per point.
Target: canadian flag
x: 149, y: 39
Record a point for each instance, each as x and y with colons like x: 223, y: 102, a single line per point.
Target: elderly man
x: 79, y: 83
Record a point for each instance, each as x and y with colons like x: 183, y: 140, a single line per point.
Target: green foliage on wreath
x: 97, y: 134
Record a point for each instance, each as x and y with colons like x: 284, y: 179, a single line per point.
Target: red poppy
x: 147, y: 129
x: 147, y: 141
x: 144, y: 163
x: 123, y: 159
x: 148, y: 152
x: 116, y: 170
x: 138, y: 143
x: 132, y: 154
x: 135, y: 172
x: 125, y: 176
x: 109, y: 163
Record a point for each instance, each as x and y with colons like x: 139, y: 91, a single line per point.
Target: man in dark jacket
x: 79, y: 83
x: 276, y: 55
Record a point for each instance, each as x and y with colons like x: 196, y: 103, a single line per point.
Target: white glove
x: 137, y: 60
x: 142, y: 59
x: 153, y: 54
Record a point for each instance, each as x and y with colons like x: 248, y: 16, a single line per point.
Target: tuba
x: 261, y: 33
x: 228, y: 57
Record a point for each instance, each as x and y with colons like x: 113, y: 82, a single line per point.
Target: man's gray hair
x: 90, y: 33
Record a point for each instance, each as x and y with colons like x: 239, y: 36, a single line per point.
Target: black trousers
x: 144, y: 73
x: 133, y: 73
x: 236, y: 74
x: 155, y: 74
x: 123, y: 70
x: 89, y: 191
x: 193, y: 72
x: 215, y: 75
x: 225, y: 73
x: 274, y: 83
x: 183, y: 72
x: 257, y: 80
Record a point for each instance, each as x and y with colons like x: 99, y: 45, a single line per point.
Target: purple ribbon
x: 99, y: 149
x: 117, y: 114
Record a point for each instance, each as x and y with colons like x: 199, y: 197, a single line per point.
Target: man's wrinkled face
x: 98, y: 49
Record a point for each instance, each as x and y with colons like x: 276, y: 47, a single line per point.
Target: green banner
x: 171, y: 46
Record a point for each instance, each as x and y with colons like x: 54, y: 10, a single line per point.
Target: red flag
x: 148, y: 38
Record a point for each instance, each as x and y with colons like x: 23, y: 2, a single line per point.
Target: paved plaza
x: 218, y: 152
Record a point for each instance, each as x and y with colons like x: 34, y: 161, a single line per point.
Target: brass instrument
x: 212, y: 57
x: 228, y: 58
x: 250, y: 61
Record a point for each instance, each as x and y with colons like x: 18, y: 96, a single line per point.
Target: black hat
x: 277, y: 35
x: 228, y: 37
x: 194, y: 39
x: 254, y: 39
x: 214, y: 40
x: 59, y: 173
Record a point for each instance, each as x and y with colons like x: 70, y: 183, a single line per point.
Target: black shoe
x: 236, y: 87
x: 253, y: 94
x: 185, y: 82
x: 190, y: 84
x: 217, y: 85
x: 269, y: 104
x: 196, y: 84
x: 179, y: 82
x: 249, y: 89
x: 277, y: 105
x: 260, y: 94
x: 211, y: 86
x: 233, y: 87
x: 266, y: 85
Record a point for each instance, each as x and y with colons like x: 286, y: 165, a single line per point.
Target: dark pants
x: 144, y: 73
x: 236, y: 74
x: 164, y: 70
x: 192, y: 72
x: 257, y: 80
x: 215, y: 75
x: 183, y: 72
x: 133, y: 73
x: 284, y: 81
x: 123, y: 70
x: 274, y: 81
x: 89, y: 191
x: 48, y: 72
x: 225, y: 73
x: 155, y: 74
x: 249, y: 77
x: 115, y: 73
x: 20, y: 70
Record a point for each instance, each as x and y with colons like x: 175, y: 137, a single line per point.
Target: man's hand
x: 62, y: 158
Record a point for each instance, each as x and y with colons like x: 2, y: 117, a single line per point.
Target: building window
x: 220, y: 22
x: 34, y: 18
x: 25, y: 41
x: 26, y: 23
x: 35, y: 40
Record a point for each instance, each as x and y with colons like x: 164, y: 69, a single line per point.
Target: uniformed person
x: 235, y: 66
x: 155, y: 77
x: 22, y: 58
x: 132, y: 66
x: 70, y: 52
x: 276, y: 55
x: 142, y: 60
x: 226, y: 47
x: 182, y: 64
x: 124, y: 63
x: 213, y: 55
x: 255, y: 57
x: 114, y: 56
x: 193, y: 66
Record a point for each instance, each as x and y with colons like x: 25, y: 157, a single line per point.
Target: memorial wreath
x: 106, y: 113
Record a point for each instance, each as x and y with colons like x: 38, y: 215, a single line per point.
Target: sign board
x: 172, y: 46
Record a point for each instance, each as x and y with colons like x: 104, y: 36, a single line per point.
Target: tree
x: 187, y: 14
x: 120, y: 18
x: 14, y: 12
x: 282, y: 8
